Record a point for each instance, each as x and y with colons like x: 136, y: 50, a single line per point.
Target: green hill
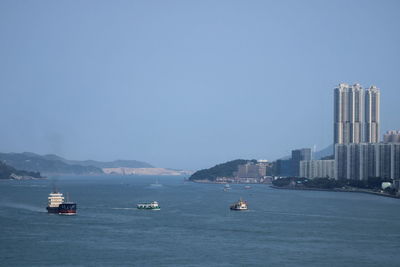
x: 221, y: 170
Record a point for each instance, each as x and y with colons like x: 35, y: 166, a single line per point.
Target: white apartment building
x: 317, y: 169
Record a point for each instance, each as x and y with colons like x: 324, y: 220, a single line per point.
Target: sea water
x: 195, y: 226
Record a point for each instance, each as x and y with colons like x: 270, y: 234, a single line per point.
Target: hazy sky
x: 188, y: 84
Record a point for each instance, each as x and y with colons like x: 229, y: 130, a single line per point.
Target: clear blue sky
x: 188, y: 84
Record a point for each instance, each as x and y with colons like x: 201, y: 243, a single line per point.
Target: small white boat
x: 240, y: 205
x: 148, y: 206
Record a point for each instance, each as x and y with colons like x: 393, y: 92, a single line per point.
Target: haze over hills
x: 53, y: 164
x: 325, y: 152
x: 102, y: 164
x: 46, y: 165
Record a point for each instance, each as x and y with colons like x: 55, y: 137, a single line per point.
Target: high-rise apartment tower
x: 356, y: 114
x: 372, y: 102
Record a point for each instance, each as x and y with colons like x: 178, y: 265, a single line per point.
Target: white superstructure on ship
x: 55, y: 199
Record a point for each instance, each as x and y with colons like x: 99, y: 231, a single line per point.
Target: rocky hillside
x: 8, y: 172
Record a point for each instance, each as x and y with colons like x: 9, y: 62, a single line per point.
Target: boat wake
x: 29, y: 185
x: 301, y: 214
x: 156, y: 185
x: 24, y: 207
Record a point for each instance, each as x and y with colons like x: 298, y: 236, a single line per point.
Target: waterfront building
x: 252, y: 170
x: 356, y: 114
x: 391, y: 137
x: 358, y: 153
x: 297, y: 156
x: 361, y: 161
x: 262, y: 168
x: 291, y: 167
x: 317, y: 169
x: 283, y: 168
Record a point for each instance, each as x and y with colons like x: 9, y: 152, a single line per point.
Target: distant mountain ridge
x: 53, y: 164
x: 102, y: 164
x: 28, y: 161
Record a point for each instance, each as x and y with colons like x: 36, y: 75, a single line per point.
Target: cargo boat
x: 57, y: 205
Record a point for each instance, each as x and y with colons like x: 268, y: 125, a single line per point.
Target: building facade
x: 297, y: 156
x: 356, y: 114
x: 283, y: 168
x: 317, y: 169
x: 391, y: 137
x: 348, y: 113
x: 372, y: 109
x: 291, y: 167
x: 365, y: 160
x: 252, y: 170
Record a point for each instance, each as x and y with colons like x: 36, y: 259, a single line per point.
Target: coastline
x: 337, y: 190
x: 214, y: 182
x: 24, y: 179
x: 353, y: 190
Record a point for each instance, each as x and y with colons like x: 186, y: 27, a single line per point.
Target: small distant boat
x: 247, y: 187
x: 240, y: 205
x: 227, y: 187
x: 148, y: 206
x: 156, y: 184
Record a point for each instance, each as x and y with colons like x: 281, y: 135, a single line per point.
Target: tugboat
x: 148, y: 206
x: 67, y: 208
x: 55, y: 200
x: 240, y: 205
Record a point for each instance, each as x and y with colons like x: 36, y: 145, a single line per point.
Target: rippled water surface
x: 194, y: 226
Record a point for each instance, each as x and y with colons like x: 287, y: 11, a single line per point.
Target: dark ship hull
x: 52, y: 209
x: 67, y: 209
